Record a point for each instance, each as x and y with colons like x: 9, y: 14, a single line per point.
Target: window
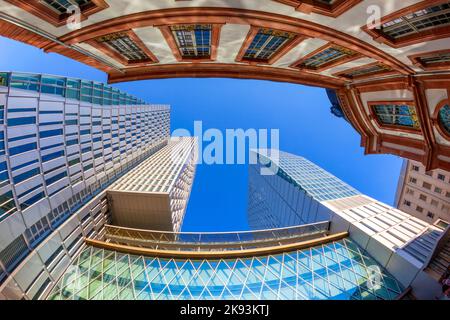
x: 74, y: 162
x: 426, y: 185
x: 438, y: 190
x: 71, y: 142
x: 447, y: 194
x: 430, y: 214
x: 71, y: 122
x: 438, y: 60
x: 415, y: 168
x: 395, y: 114
x: 410, y: 191
x: 423, y: 197
x: 22, y: 149
x: 419, y: 209
x: 126, y: 47
x: 267, y: 45
x: 326, y: 57
x: 56, y: 178
x: 57, y: 12
x: 2, y: 114
x: 4, y: 178
x: 50, y: 133
x: 193, y: 41
x: 365, y: 71
x: 21, y: 121
x: 441, y: 177
x: 444, y: 119
x: 407, y: 203
x: 434, y: 203
x: 34, y: 199
x: 53, y: 155
x: 418, y: 23
x: 26, y: 175
x: 2, y: 143
x: 14, y: 253
x: 7, y: 205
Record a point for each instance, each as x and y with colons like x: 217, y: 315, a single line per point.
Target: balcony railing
x: 214, y: 241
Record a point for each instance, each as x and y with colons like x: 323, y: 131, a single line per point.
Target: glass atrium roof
x: 337, y: 270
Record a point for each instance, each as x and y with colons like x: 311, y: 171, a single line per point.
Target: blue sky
x: 302, y: 114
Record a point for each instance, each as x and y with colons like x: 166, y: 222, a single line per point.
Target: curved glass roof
x: 336, y: 270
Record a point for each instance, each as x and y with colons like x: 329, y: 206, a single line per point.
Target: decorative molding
x: 40, y: 10
x: 313, y: 6
x: 423, y: 36
x: 217, y: 15
x: 230, y: 70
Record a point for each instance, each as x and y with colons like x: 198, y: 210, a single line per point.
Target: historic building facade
x: 423, y: 194
x: 391, y: 74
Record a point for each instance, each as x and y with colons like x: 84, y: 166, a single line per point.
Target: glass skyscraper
x: 291, y: 192
x: 286, y: 189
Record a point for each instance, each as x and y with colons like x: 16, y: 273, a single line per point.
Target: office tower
x: 300, y: 192
x: 387, y: 92
x: 63, y: 142
x: 155, y: 194
x: 291, y: 193
x: 423, y: 194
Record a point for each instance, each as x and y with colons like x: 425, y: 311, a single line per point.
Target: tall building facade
x: 292, y: 191
x: 62, y: 142
x: 155, y: 194
x: 423, y: 194
x: 297, y: 192
x: 390, y: 77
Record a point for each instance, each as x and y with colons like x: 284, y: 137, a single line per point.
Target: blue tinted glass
x: 71, y: 122
x: 22, y: 137
x: 12, y: 110
x: 52, y: 146
x: 21, y: 121
x: 26, y: 175
x: 23, y: 148
x: 50, y: 112
x: 50, y: 123
x: 56, y: 178
x: 52, y: 156
x: 72, y: 142
x: 23, y: 165
x: 50, y: 133
x: 32, y: 200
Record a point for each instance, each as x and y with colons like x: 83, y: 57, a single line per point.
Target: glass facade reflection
x: 337, y: 270
x: 292, y: 195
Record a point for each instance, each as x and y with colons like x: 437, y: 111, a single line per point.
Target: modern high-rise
x: 423, y: 194
x: 286, y: 189
x: 155, y: 194
x: 390, y: 74
x: 63, y: 141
